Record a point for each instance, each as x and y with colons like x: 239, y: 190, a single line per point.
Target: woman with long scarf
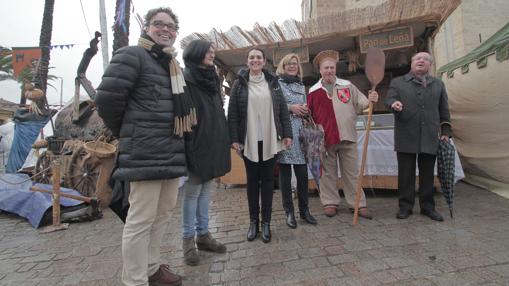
x: 207, y: 150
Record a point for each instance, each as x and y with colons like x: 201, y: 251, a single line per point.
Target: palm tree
x: 41, y: 76
x: 121, y: 26
x: 6, y: 71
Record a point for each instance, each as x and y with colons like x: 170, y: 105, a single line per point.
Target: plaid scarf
x: 185, y: 112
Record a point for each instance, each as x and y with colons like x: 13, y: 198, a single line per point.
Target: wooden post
x: 56, y: 226
x: 56, y: 192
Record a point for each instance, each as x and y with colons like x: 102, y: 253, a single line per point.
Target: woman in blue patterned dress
x: 290, y: 80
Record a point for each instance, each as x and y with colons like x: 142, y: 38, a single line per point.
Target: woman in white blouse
x: 259, y: 125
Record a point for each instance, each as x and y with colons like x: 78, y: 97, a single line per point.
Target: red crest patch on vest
x: 344, y: 95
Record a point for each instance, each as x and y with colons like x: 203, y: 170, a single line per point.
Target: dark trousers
x: 406, y: 180
x: 285, y: 184
x: 260, y: 174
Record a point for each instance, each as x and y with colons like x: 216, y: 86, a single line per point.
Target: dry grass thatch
x: 236, y: 38
x: 345, y: 23
x: 372, y: 18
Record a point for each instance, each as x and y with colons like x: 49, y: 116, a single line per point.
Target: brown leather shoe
x: 190, y: 253
x: 208, y: 243
x: 164, y: 277
x: 330, y: 210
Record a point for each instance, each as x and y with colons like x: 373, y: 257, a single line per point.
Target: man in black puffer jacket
x: 139, y: 99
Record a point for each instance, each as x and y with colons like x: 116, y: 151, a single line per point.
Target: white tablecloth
x: 381, y: 159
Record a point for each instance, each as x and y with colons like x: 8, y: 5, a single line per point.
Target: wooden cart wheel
x: 43, y: 168
x: 83, y: 172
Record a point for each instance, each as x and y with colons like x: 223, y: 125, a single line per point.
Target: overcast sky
x: 21, y: 24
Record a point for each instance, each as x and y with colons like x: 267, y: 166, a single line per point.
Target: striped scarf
x: 185, y: 112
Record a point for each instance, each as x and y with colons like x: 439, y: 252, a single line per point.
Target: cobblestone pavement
x: 472, y: 249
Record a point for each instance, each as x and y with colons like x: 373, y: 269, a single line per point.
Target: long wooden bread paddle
x: 374, y: 68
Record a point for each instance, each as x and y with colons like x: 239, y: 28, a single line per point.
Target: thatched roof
x: 372, y: 18
x: 236, y: 38
x: 337, y: 31
x: 338, y: 23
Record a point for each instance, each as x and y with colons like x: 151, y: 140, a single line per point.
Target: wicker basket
x: 100, y: 149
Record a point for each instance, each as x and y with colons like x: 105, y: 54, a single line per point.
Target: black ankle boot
x: 308, y: 217
x: 290, y: 220
x: 252, y: 233
x: 266, y: 232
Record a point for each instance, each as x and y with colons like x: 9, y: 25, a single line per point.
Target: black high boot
x: 254, y: 227
x: 266, y: 232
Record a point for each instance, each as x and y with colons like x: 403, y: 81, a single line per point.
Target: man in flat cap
x: 334, y: 103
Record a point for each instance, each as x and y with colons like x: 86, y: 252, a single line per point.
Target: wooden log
x: 70, y: 196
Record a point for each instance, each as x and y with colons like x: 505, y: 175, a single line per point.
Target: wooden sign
x: 387, y: 40
x: 302, y: 51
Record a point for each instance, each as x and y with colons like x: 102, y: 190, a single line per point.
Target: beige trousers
x: 346, y: 153
x: 150, y: 205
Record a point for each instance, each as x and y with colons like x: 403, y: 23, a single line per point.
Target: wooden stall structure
x: 399, y: 27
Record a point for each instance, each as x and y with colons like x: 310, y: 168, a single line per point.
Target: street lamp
x: 61, y: 90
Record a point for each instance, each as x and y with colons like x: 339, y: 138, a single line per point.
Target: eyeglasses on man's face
x: 161, y: 25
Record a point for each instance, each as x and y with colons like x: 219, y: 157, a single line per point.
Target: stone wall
x: 317, y: 8
x: 470, y: 24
